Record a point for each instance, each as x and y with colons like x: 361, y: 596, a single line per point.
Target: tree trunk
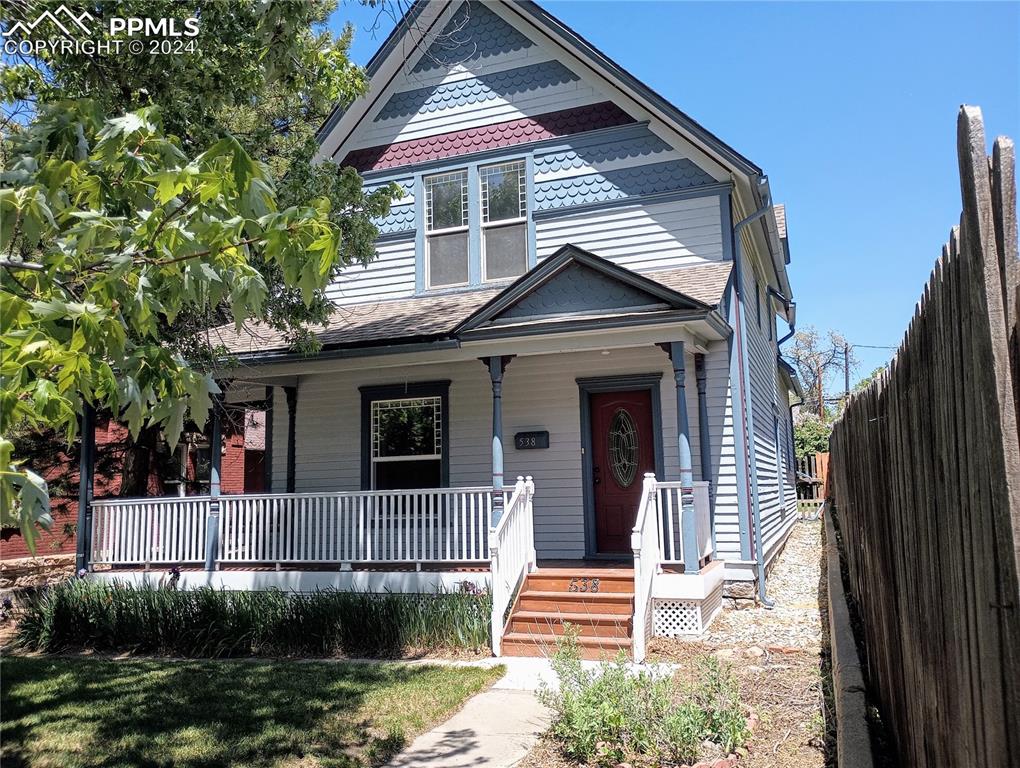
x: 138, y: 462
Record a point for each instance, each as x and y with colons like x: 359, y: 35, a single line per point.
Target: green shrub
x: 607, y: 714
x: 84, y: 614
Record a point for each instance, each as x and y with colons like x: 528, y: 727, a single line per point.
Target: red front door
x: 622, y: 451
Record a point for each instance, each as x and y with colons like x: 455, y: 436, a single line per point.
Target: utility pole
x: 821, y: 394
x: 846, y: 373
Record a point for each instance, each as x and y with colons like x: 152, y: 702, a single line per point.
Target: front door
x: 622, y: 451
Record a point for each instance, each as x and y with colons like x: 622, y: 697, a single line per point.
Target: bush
x: 84, y: 614
x: 607, y: 714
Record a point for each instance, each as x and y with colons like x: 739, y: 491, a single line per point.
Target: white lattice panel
x: 685, y: 617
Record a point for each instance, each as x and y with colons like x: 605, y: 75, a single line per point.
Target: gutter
x: 790, y: 308
x: 762, y: 193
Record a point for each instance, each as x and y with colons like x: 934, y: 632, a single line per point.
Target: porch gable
x: 576, y: 283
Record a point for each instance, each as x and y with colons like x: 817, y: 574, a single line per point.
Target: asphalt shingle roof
x: 430, y: 317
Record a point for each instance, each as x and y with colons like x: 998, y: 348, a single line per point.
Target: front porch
x: 421, y: 541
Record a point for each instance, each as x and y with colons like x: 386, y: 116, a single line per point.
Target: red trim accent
x: 550, y: 125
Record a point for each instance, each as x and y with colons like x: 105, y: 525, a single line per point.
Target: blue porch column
x: 497, y: 366
x: 705, y: 436
x: 212, y: 527
x: 291, y: 393
x: 86, y: 472
x: 683, y: 431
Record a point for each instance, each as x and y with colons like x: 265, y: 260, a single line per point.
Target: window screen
x: 407, y: 443
x: 504, y: 216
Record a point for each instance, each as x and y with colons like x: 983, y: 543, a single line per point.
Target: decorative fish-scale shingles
x: 642, y: 143
x: 506, y: 134
x: 474, y: 32
x: 670, y: 176
x: 503, y: 85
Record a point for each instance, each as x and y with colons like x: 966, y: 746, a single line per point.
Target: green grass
x: 288, y: 714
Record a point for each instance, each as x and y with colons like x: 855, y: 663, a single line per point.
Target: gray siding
x: 540, y: 392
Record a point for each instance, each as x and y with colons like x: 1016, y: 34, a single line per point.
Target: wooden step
x: 576, y: 602
x: 544, y: 645
x: 585, y: 624
x: 593, y: 580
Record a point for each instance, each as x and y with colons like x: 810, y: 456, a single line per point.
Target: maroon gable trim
x: 548, y: 126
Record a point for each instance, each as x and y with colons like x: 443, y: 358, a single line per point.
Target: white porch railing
x: 671, y: 524
x: 644, y: 541
x: 143, y: 531
x: 398, y: 527
x: 512, y: 549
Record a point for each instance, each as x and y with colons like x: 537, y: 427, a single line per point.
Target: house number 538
x: 583, y: 584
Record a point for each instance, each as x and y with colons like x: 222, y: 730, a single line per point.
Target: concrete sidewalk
x: 495, y: 729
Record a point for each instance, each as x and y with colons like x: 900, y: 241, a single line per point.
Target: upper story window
x: 446, y: 229
x: 476, y: 225
x: 504, y: 220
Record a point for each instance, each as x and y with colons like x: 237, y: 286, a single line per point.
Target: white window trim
x: 484, y: 225
x: 464, y: 228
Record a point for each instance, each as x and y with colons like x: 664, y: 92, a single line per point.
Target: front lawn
x: 90, y: 712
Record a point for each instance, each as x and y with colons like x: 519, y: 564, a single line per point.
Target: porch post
x: 212, y: 527
x: 705, y: 436
x: 86, y: 465
x: 291, y: 393
x: 497, y: 365
x: 683, y: 430
x: 267, y: 462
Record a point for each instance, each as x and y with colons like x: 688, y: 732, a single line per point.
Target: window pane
x: 408, y: 427
x: 446, y: 198
x: 506, y: 251
x: 503, y: 191
x: 448, y: 259
x: 399, y: 475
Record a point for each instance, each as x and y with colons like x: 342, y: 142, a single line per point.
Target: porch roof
x: 435, y: 317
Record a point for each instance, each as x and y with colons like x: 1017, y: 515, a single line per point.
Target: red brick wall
x: 61, y: 537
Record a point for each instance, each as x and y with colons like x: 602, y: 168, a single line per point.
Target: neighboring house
x: 579, y: 286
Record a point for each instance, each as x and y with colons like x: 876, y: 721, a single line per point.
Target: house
x: 560, y: 377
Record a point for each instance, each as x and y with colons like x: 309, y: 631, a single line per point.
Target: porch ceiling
x: 434, y: 319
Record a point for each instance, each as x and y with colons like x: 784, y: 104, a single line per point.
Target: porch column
x: 705, y: 437
x: 683, y: 430
x: 291, y: 393
x: 86, y: 466
x: 212, y: 527
x: 267, y: 462
x: 497, y: 365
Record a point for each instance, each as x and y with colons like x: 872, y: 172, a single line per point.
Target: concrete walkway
x: 495, y: 729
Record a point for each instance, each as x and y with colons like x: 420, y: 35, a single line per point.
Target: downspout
x: 759, y: 550
x: 791, y: 314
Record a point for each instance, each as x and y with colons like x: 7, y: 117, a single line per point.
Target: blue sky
x: 849, y: 107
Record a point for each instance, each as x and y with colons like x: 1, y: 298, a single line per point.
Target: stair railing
x: 644, y: 541
x: 512, y: 554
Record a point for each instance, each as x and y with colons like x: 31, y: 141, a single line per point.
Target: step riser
x: 619, y: 629
x: 545, y: 650
x: 563, y: 584
x: 576, y: 604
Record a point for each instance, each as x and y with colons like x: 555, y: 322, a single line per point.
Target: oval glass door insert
x: 623, y: 448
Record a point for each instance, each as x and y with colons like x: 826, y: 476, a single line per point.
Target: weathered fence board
x: 925, y: 476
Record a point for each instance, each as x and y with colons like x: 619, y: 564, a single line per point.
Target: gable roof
x: 576, y: 282
x: 425, y: 19
x: 428, y: 319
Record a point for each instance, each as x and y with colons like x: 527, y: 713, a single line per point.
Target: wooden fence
x: 925, y: 476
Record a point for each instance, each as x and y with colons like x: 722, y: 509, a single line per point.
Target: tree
x: 811, y: 435
x: 267, y: 73
x: 866, y: 381
x: 817, y: 357
x: 109, y: 231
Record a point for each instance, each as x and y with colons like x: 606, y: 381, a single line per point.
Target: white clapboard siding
x: 640, y: 237
x: 539, y: 392
x: 389, y: 276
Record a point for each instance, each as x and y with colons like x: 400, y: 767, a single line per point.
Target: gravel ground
x: 778, y: 656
